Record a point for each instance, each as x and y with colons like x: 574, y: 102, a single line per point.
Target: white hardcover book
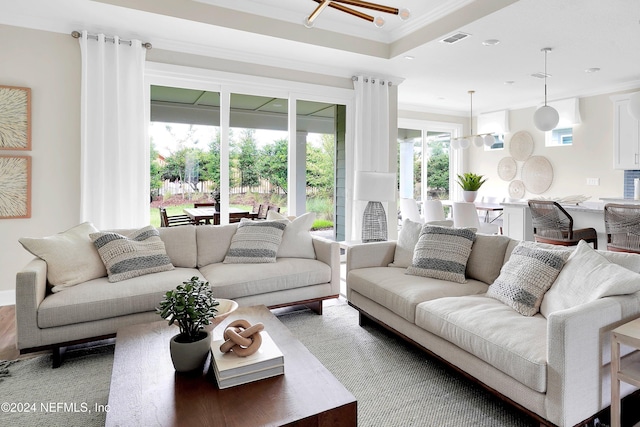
x: 228, y: 365
x: 249, y: 377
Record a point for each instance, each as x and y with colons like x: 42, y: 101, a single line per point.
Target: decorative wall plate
x: 516, y: 189
x: 537, y: 174
x: 521, y: 145
x: 507, y: 168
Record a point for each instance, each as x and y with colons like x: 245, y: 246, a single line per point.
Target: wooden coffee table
x: 146, y: 390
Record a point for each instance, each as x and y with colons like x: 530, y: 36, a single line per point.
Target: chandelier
x: 478, y: 139
x: 378, y: 21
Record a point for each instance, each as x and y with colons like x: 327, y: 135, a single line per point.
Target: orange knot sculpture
x: 241, y: 338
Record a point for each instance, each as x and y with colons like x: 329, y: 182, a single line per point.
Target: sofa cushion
x: 213, y: 242
x: 442, y: 253
x: 98, y: 299
x: 401, y: 293
x: 493, y: 332
x: 406, y: 243
x: 71, y: 256
x: 629, y: 261
x: 136, y: 254
x: 240, y: 280
x: 585, y: 277
x: 487, y: 257
x: 255, y: 242
x: 296, y: 239
x: 180, y: 243
x: 524, y: 279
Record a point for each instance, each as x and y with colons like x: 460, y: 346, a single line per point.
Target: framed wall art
x: 15, y: 118
x: 15, y: 187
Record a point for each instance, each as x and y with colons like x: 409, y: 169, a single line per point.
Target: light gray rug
x: 394, y: 383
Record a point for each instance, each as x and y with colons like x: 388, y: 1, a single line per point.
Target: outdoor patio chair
x: 173, y: 220
x: 552, y: 224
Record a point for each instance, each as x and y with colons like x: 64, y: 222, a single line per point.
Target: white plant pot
x: 469, y: 196
x: 187, y: 357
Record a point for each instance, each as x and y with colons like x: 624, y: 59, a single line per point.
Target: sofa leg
x: 315, y: 306
x: 363, y: 320
x: 58, y: 354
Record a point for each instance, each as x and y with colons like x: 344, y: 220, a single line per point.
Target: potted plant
x: 192, y: 307
x: 470, y: 183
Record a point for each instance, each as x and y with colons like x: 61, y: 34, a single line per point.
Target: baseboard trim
x: 7, y: 298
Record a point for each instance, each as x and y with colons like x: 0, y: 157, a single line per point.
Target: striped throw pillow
x: 527, y: 276
x: 442, y: 253
x: 142, y: 252
x: 255, y: 242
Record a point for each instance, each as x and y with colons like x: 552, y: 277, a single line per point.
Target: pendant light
x: 378, y: 21
x: 546, y: 118
x: 477, y: 140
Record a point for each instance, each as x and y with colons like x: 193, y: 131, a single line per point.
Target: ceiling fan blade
x: 348, y: 10
x: 371, y: 6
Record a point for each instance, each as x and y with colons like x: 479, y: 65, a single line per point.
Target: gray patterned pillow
x: 139, y: 253
x: 442, y: 253
x: 526, y: 277
x: 255, y: 242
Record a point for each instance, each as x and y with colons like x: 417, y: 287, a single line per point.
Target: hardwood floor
x: 8, y: 348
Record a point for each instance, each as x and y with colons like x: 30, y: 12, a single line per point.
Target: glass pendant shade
x: 464, y: 143
x: 477, y: 140
x: 546, y: 118
x: 404, y: 14
x: 455, y: 144
x: 634, y: 105
x: 379, y: 22
x: 489, y: 140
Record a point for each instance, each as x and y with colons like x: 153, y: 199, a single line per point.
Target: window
x: 559, y: 137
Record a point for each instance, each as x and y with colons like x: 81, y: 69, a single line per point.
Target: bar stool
x: 552, y: 224
x: 622, y: 224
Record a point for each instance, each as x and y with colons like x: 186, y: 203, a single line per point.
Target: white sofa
x: 555, y: 368
x: 96, y: 308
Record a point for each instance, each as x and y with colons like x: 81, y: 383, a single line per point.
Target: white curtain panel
x: 371, y: 150
x: 114, y: 148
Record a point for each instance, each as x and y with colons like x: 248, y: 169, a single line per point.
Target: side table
x: 627, y: 334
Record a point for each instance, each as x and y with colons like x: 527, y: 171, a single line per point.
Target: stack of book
x: 231, y: 370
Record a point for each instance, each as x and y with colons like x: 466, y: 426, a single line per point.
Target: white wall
x: 49, y: 64
x: 590, y: 156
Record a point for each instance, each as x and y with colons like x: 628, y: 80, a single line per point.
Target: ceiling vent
x: 455, y: 38
x: 540, y: 75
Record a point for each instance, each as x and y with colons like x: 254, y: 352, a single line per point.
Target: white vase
x: 469, y: 196
x: 187, y: 357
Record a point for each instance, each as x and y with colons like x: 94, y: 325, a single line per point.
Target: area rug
x: 394, y: 383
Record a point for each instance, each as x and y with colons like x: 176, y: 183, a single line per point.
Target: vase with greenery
x: 192, y: 307
x: 470, y: 183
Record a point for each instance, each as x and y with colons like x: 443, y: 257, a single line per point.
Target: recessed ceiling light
x: 491, y: 42
x: 409, y: 57
x: 592, y: 70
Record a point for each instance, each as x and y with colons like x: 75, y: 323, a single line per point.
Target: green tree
x: 176, y: 164
x: 273, y: 164
x: 320, y: 165
x: 154, y: 171
x: 247, y: 159
x: 438, y: 173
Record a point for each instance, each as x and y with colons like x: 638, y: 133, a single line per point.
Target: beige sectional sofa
x: 556, y: 368
x: 96, y: 308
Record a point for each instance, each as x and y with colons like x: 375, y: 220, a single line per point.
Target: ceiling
x: 584, y: 34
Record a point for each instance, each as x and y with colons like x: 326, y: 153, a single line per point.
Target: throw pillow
x: 71, y: 257
x: 255, y: 242
x: 442, y: 253
x: 139, y: 253
x: 526, y: 277
x: 587, y: 276
x: 406, y: 243
x: 296, y: 239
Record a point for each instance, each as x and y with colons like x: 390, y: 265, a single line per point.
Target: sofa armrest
x: 328, y: 252
x: 578, y: 345
x: 31, y: 289
x: 375, y: 254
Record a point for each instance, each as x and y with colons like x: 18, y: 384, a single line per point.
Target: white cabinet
x: 626, y: 135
